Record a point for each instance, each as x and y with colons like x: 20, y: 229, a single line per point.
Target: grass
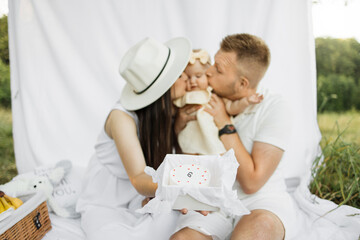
x: 335, y: 175
x: 331, y: 124
x: 7, y: 160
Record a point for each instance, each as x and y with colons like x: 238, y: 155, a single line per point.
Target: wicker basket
x: 34, y: 225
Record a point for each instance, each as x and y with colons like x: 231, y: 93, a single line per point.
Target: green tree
x: 338, y: 56
x: 5, y: 93
x: 4, y: 40
x: 338, y: 72
x: 336, y: 93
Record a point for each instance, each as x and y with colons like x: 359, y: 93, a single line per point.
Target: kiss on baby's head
x: 196, y: 70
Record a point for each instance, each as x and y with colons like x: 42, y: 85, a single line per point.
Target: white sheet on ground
x: 62, y: 229
x: 65, y: 55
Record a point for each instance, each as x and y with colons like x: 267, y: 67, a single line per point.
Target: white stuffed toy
x: 23, y: 185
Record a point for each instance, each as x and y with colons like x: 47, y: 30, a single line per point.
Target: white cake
x: 190, y: 174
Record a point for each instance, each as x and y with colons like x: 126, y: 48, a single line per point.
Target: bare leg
x: 260, y: 224
x: 188, y: 233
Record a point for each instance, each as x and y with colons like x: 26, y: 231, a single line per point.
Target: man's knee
x: 178, y: 236
x: 188, y: 233
x: 266, y: 221
x: 260, y: 224
x: 182, y: 234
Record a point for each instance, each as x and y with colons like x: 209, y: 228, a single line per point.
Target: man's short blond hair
x: 253, y: 55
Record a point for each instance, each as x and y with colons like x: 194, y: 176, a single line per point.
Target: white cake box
x: 216, y: 195
x: 176, y: 162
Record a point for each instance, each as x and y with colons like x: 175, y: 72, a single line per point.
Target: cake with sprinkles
x: 190, y: 174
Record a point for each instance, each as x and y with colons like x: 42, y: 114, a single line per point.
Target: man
x: 259, y: 138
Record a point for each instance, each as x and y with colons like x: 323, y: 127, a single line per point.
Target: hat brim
x: 180, y: 49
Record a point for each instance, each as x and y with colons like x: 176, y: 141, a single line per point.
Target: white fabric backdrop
x: 64, y: 79
x: 65, y: 56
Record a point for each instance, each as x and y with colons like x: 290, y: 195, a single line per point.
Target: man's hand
x: 183, y: 116
x: 185, y: 211
x: 218, y: 111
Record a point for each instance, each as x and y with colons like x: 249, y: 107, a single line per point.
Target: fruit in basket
x: 7, y: 202
x: 2, y: 208
x: 45, y: 183
x: 16, y: 202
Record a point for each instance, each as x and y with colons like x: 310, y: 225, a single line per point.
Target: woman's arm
x: 122, y: 129
x: 184, y: 115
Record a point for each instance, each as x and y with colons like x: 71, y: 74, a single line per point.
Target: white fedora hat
x: 150, y: 68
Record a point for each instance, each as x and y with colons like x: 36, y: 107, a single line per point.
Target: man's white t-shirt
x: 267, y: 122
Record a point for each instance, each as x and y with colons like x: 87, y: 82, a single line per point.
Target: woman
x: 137, y: 133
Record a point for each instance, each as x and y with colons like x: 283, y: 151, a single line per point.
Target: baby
x: 236, y: 107
x: 198, y: 90
x: 201, y: 136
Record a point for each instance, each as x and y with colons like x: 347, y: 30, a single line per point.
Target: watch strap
x: 227, y: 129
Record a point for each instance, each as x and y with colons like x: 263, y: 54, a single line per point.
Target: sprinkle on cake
x: 190, y: 174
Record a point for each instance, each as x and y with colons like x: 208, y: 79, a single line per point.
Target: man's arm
x: 255, y: 168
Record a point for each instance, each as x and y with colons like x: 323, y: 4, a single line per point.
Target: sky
x: 331, y: 18
x: 337, y: 19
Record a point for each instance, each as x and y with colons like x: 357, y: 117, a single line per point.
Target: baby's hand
x: 255, y: 98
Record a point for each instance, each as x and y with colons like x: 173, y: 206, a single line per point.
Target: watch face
x: 230, y: 127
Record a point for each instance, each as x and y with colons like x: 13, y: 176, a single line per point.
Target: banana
x: 2, y: 208
x: 16, y: 202
x: 5, y: 204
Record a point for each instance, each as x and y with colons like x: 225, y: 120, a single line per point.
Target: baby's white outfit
x: 200, y: 136
x: 108, y: 200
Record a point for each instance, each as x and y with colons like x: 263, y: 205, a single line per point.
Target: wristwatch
x: 227, y: 129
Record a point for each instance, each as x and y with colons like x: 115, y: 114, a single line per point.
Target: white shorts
x: 280, y: 203
x: 220, y: 226
x: 215, y: 224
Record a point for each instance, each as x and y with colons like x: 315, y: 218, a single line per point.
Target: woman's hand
x: 218, y: 111
x: 183, y: 116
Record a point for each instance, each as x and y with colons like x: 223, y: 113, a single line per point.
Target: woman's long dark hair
x: 156, y: 133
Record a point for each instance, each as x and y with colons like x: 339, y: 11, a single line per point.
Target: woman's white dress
x: 108, y: 200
